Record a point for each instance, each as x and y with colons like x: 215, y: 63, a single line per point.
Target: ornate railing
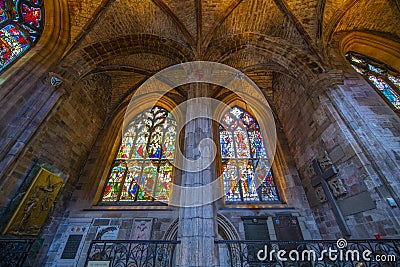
x: 132, y: 253
x: 13, y: 252
x: 357, y: 253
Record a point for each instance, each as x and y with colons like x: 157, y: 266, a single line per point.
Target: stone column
x: 197, y: 224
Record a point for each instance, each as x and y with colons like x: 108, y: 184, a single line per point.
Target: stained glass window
x: 21, y: 24
x: 245, y: 166
x: 384, y: 79
x: 142, y: 170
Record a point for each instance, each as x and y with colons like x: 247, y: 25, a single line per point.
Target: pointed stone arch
x: 225, y: 229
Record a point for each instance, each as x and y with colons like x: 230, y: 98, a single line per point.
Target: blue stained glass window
x: 246, y: 169
x: 21, y: 24
x: 384, y: 79
x: 142, y: 170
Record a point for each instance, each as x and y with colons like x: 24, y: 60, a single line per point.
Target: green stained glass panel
x: 113, y: 187
x: 164, y: 182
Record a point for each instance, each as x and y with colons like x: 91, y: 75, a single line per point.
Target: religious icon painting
x: 35, y: 206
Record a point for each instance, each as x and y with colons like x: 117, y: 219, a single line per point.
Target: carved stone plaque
x: 142, y: 229
x: 319, y: 192
x: 107, y: 232
x: 337, y: 187
x: 325, y: 161
x: 32, y: 212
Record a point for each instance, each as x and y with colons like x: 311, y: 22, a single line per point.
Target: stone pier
x: 197, y: 224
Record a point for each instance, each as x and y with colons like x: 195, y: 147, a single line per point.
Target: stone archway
x: 226, y: 231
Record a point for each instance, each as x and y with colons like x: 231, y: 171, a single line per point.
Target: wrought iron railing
x: 351, y: 253
x: 13, y: 252
x: 132, y: 253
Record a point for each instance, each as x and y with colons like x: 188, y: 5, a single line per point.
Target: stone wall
x: 23, y: 115
x: 104, y: 225
x: 313, y: 126
x: 63, y: 141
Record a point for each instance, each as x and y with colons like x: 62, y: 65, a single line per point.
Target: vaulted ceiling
x: 129, y: 40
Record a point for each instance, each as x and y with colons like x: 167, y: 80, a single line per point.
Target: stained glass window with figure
x: 384, y: 79
x: 245, y: 165
x: 142, y: 170
x: 21, y: 24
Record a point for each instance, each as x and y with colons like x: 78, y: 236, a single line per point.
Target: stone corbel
x: 56, y: 81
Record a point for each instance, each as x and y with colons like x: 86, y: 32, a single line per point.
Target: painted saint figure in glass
x: 142, y: 170
x: 245, y: 166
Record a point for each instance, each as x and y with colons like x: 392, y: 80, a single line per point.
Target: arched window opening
x: 21, y: 24
x: 245, y: 165
x: 142, y: 170
x: 384, y: 79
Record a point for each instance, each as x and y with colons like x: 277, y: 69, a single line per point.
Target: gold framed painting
x: 35, y: 206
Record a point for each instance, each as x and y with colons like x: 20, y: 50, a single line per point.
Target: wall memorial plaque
x: 68, y: 247
x: 141, y: 229
x: 287, y: 228
x: 255, y: 228
x: 98, y: 263
x: 71, y: 247
x: 107, y: 232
